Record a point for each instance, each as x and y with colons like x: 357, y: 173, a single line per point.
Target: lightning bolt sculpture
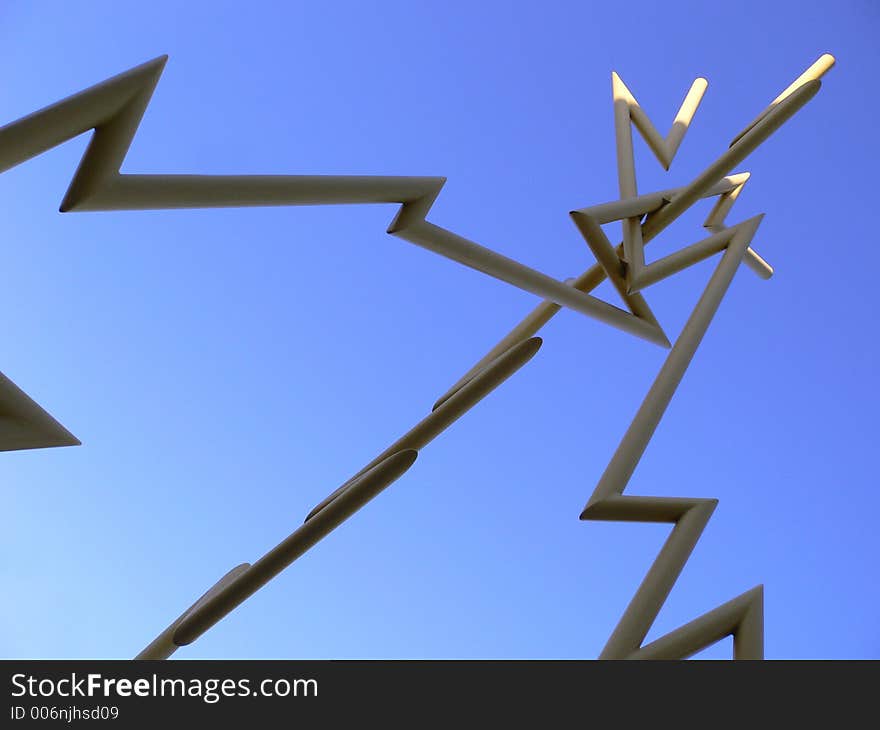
x: 114, y: 108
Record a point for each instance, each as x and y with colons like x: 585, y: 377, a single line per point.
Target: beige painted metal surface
x: 24, y: 425
x: 114, y: 108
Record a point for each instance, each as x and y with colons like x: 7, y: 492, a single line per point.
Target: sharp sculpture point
x: 113, y: 110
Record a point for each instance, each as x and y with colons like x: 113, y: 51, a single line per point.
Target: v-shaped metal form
x: 114, y: 108
x: 627, y: 111
x: 25, y: 425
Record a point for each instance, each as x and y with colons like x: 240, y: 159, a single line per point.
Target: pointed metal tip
x: 69, y: 204
x: 159, y: 63
x: 659, y: 337
x: 154, y: 64
x: 399, y: 461
x: 585, y: 513
x: 61, y: 440
x: 525, y: 349
x: 405, y: 456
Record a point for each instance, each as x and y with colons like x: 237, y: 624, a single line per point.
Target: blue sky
x: 227, y: 369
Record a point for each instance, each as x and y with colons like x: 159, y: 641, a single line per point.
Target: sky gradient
x: 227, y: 369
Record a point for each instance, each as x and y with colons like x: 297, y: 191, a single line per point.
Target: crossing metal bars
x: 114, y: 108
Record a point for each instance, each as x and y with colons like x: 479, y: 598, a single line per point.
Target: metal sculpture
x: 114, y: 108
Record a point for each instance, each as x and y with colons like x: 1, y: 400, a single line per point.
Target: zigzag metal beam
x: 689, y: 515
x: 742, y: 616
x: 114, y: 108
